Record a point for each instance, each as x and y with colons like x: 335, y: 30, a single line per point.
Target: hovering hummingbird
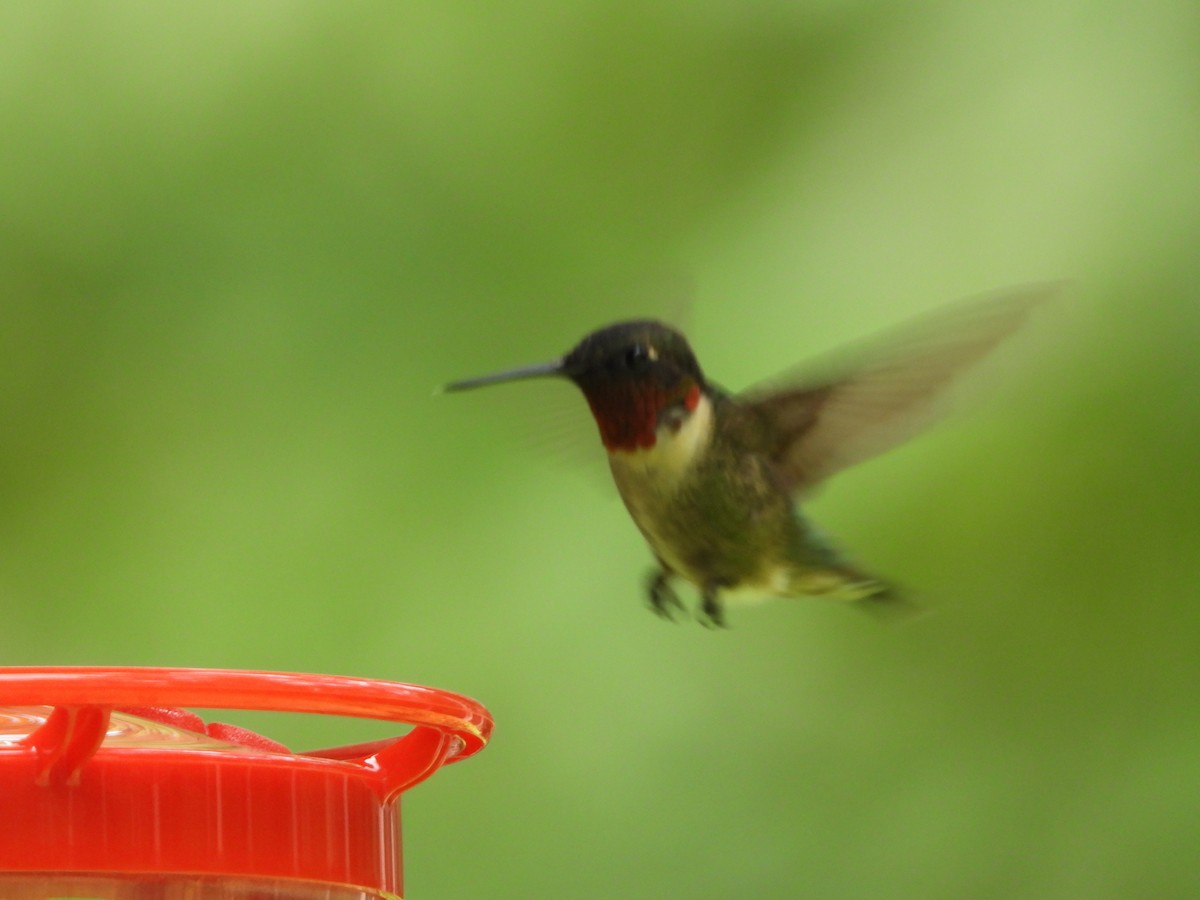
x: 711, y: 478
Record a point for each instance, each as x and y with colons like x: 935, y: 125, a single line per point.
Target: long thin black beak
x: 541, y: 370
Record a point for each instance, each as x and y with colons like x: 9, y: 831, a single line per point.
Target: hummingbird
x: 712, y: 479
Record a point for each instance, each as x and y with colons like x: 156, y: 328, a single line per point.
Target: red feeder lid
x: 103, y: 775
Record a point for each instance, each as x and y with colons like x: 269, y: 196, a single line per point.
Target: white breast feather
x: 674, y: 450
x: 649, y: 477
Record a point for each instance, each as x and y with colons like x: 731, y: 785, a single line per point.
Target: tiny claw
x: 711, y: 614
x: 662, y: 597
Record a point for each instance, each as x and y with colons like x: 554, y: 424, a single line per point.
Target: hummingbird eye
x: 638, y: 357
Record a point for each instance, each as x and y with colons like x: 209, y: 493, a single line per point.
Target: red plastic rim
x: 111, y: 777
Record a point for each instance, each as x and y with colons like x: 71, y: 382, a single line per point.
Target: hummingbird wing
x: 871, y: 397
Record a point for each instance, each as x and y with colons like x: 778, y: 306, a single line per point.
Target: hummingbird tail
x: 875, y: 595
x: 889, y: 603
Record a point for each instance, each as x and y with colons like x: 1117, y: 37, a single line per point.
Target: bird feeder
x: 113, y: 788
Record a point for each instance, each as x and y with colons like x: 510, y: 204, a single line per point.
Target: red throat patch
x: 627, y: 420
x: 628, y: 416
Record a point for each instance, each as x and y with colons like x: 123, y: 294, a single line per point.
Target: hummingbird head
x: 637, y: 376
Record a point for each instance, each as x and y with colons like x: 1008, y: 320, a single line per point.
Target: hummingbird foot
x: 711, y: 613
x: 663, y: 599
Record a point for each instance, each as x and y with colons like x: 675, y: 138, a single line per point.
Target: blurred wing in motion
x: 872, y: 397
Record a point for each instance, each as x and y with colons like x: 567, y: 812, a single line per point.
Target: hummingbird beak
x: 541, y: 370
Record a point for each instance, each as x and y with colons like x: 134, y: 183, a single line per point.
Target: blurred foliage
x: 240, y: 243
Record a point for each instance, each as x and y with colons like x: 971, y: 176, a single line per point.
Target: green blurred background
x: 241, y: 242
